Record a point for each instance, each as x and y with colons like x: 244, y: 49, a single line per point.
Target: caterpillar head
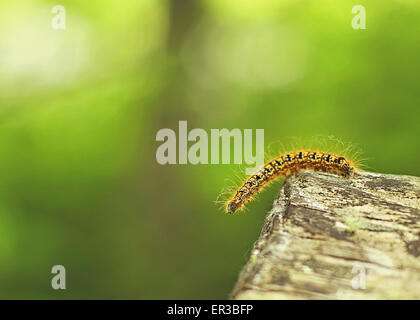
x: 232, y: 207
x: 349, y: 170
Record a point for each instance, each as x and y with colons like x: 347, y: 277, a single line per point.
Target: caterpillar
x: 287, y: 165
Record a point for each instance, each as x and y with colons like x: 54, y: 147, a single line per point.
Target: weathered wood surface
x: 327, y: 237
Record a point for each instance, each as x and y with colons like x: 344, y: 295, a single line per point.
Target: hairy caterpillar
x: 287, y: 165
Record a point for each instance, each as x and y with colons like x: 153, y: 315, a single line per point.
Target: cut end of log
x: 329, y: 237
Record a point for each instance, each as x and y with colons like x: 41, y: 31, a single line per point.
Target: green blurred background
x: 80, y: 108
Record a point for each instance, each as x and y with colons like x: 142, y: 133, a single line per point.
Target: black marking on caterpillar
x: 287, y: 165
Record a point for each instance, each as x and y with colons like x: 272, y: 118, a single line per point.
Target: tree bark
x: 328, y: 237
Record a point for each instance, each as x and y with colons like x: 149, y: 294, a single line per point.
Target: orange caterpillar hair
x: 287, y: 165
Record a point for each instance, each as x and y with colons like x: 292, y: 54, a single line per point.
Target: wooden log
x: 328, y: 237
